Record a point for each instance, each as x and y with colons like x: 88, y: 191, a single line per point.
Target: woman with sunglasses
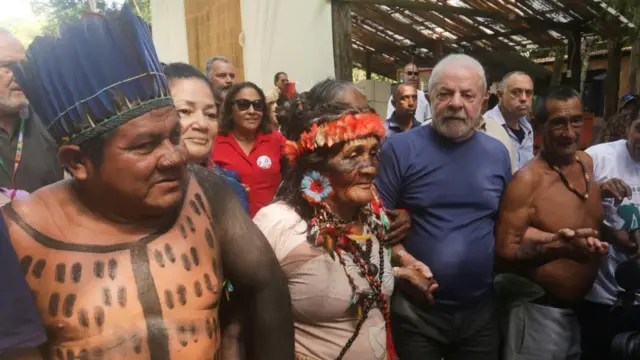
x: 247, y: 145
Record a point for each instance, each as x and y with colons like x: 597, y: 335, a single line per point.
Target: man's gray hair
x: 210, y: 62
x: 503, y: 83
x: 457, y: 60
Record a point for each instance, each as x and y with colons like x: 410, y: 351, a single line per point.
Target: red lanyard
x: 16, y: 162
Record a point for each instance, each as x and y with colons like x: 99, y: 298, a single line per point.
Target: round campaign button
x: 264, y: 162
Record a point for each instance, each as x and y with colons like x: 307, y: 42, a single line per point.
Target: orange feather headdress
x: 346, y: 128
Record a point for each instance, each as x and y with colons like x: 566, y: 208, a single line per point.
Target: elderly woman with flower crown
x: 328, y: 228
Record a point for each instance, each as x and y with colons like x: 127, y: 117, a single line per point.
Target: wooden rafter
x: 471, y: 12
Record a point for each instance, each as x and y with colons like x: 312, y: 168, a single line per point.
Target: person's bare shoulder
x: 586, y: 159
x: 45, y: 208
x: 530, y: 175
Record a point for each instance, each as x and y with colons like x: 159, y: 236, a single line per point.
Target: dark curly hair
x: 325, y: 92
x: 617, y: 126
x: 226, y: 118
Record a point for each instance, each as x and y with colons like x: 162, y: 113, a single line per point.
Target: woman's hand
x: 420, y: 276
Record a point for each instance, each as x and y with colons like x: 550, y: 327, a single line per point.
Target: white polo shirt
x: 612, y: 160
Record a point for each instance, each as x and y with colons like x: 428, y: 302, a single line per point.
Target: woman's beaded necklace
x: 337, y: 237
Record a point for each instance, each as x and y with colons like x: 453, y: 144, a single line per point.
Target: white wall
x: 293, y: 36
x: 169, y: 30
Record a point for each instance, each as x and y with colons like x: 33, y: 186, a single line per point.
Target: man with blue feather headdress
x: 127, y: 259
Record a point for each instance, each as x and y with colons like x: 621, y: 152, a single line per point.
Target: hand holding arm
x: 616, y: 189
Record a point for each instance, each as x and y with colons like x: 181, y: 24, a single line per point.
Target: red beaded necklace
x: 337, y: 237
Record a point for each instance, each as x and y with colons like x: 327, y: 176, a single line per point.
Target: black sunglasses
x: 244, y: 104
x: 413, y: 73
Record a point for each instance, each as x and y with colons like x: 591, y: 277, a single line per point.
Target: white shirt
x: 524, y: 150
x: 423, y: 110
x: 612, y: 160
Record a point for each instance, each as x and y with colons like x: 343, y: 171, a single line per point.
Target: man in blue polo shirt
x: 404, y: 99
x: 450, y: 179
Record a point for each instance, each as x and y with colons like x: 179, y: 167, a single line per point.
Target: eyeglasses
x: 244, y: 104
x: 413, y: 73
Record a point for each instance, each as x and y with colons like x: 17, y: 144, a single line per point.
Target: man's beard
x: 9, y: 106
x: 455, y: 125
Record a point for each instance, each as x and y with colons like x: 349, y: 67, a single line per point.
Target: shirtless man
x: 127, y: 259
x: 546, y: 232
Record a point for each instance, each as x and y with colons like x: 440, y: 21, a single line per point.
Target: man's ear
x: 77, y: 163
x: 500, y: 93
x: 393, y: 102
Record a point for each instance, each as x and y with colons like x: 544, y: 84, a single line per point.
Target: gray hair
x: 328, y: 91
x: 459, y: 60
x: 503, y: 82
x: 210, y: 62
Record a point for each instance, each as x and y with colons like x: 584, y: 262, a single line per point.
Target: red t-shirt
x: 260, y: 170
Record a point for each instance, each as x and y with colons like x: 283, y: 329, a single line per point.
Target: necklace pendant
x: 372, y: 269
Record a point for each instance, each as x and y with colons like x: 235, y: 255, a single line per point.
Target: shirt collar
x: 228, y: 138
x: 496, y: 114
x: 393, y: 125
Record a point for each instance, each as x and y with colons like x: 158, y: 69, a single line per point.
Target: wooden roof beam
x: 445, y: 10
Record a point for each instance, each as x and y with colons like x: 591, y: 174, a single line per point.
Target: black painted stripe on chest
x: 157, y: 334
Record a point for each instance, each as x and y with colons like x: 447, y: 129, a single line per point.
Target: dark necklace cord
x: 569, y: 185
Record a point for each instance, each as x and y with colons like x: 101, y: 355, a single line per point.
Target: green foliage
x: 359, y: 75
x: 23, y: 30
x: 57, y: 12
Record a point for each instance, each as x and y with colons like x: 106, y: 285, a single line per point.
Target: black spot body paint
x: 209, y: 328
x: 181, y: 291
x: 76, y: 272
x: 54, y: 303
x: 83, y: 318
x: 67, y: 305
x: 191, y: 225
x: 195, y: 207
x: 137, y: 345
x: 183, y: 231
x: 186, y: 262
x: 157, y: 255
x: 194, y: 256
x: 168, y: 250
x: 98, y: 316
x: 208, y: 283
x: 38, y: 268
x: 209, y: 237
x: 168, y: 299
x: 197, y: 288
x: 106, y: 296
x: 84, y: 354
x: 61, y: 271
x: 122, y: 296
x: 25, y: 263
x: 113, y: 269
x: 98, y: 269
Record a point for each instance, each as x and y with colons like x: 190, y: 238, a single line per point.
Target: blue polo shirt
x: 391, y: 127
x: 452, y: 191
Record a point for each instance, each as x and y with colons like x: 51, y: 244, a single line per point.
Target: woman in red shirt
x: 247, y: 145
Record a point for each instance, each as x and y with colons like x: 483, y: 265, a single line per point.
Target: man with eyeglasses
x: 21, y: 131
x: 516, y: 97
x: 411, y: 76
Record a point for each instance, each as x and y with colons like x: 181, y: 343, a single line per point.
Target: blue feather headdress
x: 98, y: 74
